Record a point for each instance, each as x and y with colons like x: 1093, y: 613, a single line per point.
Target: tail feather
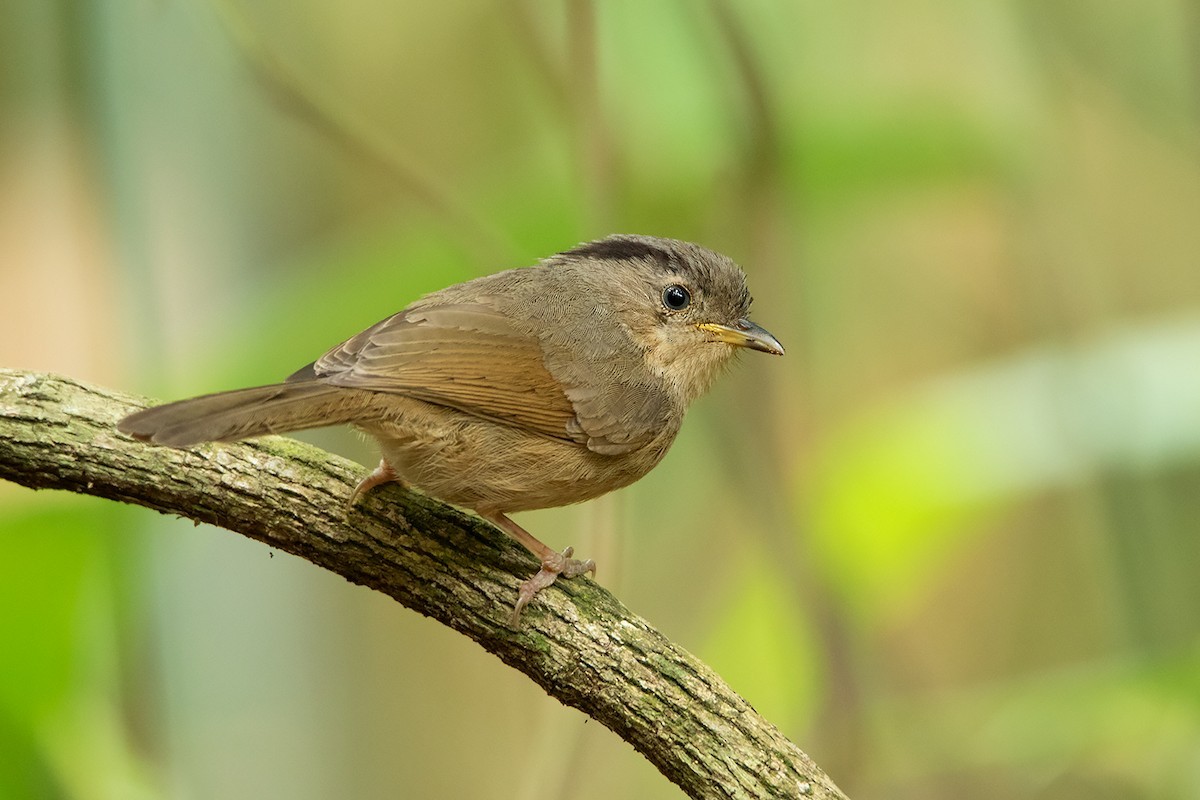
x: 245, y: 413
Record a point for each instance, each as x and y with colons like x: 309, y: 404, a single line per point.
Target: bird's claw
x: 557, y: 564
x: 381, y: 474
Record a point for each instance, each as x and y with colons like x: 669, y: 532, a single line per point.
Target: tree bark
x: 576, y: 640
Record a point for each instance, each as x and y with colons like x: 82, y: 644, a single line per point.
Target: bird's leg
x: 382, y: 474
x: 553, y: 562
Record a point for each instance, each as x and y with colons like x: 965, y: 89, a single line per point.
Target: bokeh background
x: 949, y: 543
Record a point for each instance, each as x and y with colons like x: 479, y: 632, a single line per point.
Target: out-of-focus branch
x: 358, y: 138
x: 576, y: 641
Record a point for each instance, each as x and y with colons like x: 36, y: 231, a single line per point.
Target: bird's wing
x: 619, y: 404
x: 474, y: 358
x: 468, y: 357
x: 619, y: 417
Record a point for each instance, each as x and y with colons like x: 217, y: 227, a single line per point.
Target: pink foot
x: 554, y: 565
x: 382, y: 474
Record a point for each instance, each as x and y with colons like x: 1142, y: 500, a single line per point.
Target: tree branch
x: 576, y: 640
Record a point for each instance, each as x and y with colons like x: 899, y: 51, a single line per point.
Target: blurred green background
x: 949, y: 543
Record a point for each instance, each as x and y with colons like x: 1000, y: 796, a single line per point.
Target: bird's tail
x: 244, y: 413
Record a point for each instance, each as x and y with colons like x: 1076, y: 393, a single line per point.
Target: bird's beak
x: 743, y: 333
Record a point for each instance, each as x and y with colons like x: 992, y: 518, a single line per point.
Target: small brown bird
x: 530, y: 388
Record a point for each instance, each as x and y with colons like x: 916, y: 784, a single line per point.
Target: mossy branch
x: 576, y: 641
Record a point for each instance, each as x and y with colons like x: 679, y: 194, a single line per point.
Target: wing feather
x: 468, y: 357
x: 509, y: 354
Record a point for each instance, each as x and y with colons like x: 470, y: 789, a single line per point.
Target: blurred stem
x: 359, y: 138
x: 592, y: 144
x: 534, y: 47
x: 576, y: 641
x: 772, y: 233
x: 97, y: 69
x: 93, y: 68
x: 577, y: 95
x: 761, y: 163
x: 574, y: 86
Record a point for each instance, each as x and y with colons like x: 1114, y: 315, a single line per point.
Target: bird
x: 530, y: 388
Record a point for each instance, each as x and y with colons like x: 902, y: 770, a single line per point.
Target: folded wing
x: 474, y: 358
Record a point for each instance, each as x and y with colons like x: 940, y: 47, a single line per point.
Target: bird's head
x: 685, y: 305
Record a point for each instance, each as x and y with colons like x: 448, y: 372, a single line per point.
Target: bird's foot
x: 382, y: 474
x: 554, y: 565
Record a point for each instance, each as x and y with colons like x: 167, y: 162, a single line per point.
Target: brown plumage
x: 530, y: 388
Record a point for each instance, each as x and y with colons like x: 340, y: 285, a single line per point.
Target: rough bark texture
x: 576, y: 640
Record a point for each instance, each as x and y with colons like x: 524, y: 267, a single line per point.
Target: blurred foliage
x: 948, y: 543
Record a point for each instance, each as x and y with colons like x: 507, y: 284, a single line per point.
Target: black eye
x: 676, y: 298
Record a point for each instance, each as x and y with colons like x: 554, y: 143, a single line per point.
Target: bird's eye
x: 676, y: 298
